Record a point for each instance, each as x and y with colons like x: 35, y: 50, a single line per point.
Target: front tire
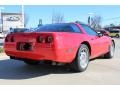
x: 110, y: 54
x: 82, y: 59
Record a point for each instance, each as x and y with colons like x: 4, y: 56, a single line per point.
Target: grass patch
x: 1, y: 50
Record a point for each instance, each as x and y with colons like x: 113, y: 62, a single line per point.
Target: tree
x: 57, y: 18
x: 96, y: 22
x: 40, y: 23
x: 111, y: 25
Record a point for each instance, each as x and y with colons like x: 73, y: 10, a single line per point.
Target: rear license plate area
x: 24, y: 46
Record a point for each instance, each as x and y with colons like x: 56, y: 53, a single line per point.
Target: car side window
x: 89, y: 30
x: 68, y: 29
x: 75, y: 28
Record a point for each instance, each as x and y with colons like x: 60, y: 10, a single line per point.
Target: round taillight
x: 6, y: 39
x: 49, y: 39
x: 41, y: 39
x: 12, y: 39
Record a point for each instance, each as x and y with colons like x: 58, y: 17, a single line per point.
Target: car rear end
x: 48, y: 42
x: 34, y: 46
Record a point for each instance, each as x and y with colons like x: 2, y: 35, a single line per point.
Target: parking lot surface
x: 99, y: 71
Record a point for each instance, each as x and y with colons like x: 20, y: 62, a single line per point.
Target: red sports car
x: 68, y: 43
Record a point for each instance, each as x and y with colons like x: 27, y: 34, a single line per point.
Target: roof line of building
x: 7, y: 13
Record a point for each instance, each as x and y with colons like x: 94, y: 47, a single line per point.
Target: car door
x: 97, y: 43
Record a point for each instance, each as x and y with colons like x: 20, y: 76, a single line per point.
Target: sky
x: 110, y: 14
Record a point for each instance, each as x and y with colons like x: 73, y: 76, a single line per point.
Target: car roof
x: 67, y: 23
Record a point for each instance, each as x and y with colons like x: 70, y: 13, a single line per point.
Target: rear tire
x: 117, y: 36
x: 82, y: 59
x: 12, y: 57
x: 30, y: 62
x: 110, y: 54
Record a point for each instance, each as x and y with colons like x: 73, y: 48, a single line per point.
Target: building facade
x: 11, y: 20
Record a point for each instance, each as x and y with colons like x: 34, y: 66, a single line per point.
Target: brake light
x: 9, y: 39
x: 49, y: 39
x: 45, y: 39
x: 6, y: 39
x: 12, y: 39
x: 41, y: 39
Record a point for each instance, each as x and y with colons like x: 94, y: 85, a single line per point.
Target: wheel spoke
x: 112, y: 49
x: 83, y: 58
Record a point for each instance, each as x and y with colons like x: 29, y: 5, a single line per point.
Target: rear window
x: 17, y: 30
x: 58, y: 28
x: 114, y: 31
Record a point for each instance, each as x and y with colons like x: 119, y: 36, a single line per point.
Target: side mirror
x: 106, y: 34
x: 99, y: 34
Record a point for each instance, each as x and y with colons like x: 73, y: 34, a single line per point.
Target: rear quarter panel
x: 67, y: 45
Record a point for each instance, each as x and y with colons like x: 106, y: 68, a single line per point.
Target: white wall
x: 8, y: 23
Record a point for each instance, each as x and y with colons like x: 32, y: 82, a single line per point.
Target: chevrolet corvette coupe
x: 68, y: 43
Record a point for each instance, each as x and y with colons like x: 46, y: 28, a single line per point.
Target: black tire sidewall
x: 113, y: 46
x: 108, y: 55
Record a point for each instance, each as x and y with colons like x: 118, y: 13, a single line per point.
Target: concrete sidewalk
x: 3, y: 55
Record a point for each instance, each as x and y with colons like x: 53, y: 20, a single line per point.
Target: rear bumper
x: 52, y: 54
x: 33, y: 55
x: 38, y: 52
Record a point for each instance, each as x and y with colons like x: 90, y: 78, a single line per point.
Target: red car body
x: 55, y: 46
